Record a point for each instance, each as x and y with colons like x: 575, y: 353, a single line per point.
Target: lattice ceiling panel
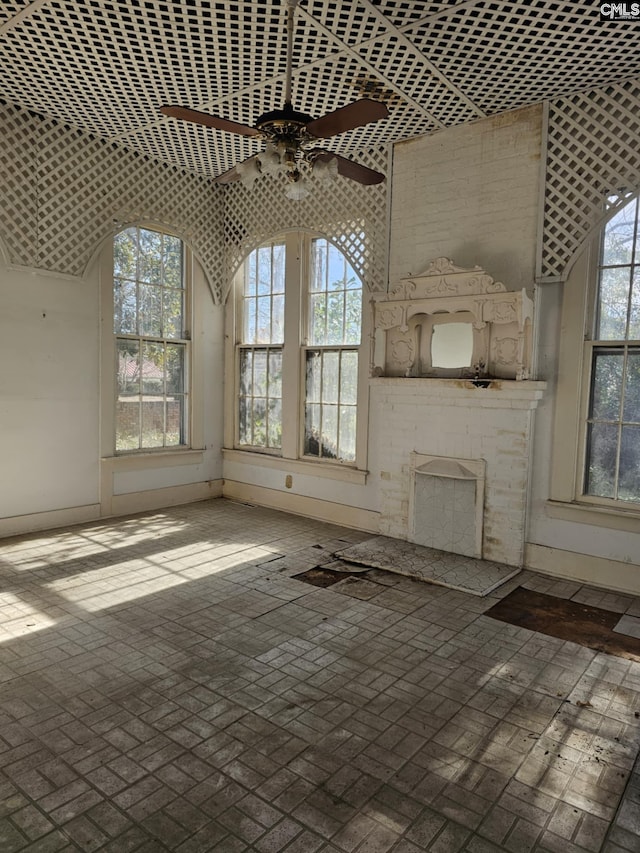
x: 105, y: 66
x: 506, y: 55
x: 406, y: 12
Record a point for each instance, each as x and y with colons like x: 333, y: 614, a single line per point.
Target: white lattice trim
x: 64, y: 192
x: 593, y: 163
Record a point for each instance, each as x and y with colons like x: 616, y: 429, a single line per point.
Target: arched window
x: 612, y: 424
x: 151, y: 340
x: 298, y: 334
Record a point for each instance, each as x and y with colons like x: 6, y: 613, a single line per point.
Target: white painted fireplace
x: 453, y: 423
x: 456, y: 419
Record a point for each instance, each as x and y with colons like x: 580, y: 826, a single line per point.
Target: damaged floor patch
x: 588, y: 626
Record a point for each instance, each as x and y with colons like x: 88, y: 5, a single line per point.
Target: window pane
x: 249, y: 322
x: 174, y: 361
x: 174, y: 419
x: 337, y: 278
x: 629, y: 486
x: 125, y: 254
x: 152, y: 423
x: 277, y: 320
x: 631, y: 412
x: 125, y: 307
x: 259, y: 416
x: 278, y: 274
x: 330, y: 377
x: 128, y: 376
x: 349, y: 378
x: 152, y: 368
x: 618, y: 238
x: 602, y: 448
x: 634, y: 315
x: 607, y: 385
x: 318, y: 266
x: 275, y: 374
x: 314, y: 375
x: 312, y: 430
x: 614, y: 302
x: 335, y: 318
x: 246, y: 371
x: 353, y: 320
x: 150, y: 258
x: 318, y: 324
x: 264, y: 270
x: 150, y: 310
x: 348, y: 433
x: 259, y: 374
x: 172, y: 314
x: 128, y: 424
x: 329, y: 434
x: 275, y: 423
x: 250, y: 275
x: 244, y: 421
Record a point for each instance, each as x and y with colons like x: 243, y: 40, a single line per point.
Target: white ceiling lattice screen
x: 352, y: 215
x: 592, y: 156
x: 62, y: 192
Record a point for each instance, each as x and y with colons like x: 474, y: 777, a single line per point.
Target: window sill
x: 598, y: 516
x: 154, y: 459
x: 297, y: 466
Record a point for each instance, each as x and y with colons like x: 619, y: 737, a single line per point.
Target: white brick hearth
x: 455, y: 418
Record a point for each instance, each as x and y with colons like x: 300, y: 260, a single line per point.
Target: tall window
x: 612, y: 468
x: 262, y: 338
x: 151, y: 340
x: 298, y: 380
x: 334, y: 323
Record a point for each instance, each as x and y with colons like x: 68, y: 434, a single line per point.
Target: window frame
x: 291, y: 455
x: 568, y: 497
x: 109, y: 371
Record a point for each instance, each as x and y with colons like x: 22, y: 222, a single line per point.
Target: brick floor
x: 166, y: 683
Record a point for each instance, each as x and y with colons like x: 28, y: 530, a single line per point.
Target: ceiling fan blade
x: 349, y: 168
x: 347, y: 118
x: 197, y: 117
x: 227, y: 177
x: 246, y: 170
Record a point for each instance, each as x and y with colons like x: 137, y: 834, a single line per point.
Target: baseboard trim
x: 334, y: 513
x: 585, y: 568
x: 17, y: 525
x: 159, y: 498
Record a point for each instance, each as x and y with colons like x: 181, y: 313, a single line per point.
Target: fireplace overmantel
x: 492, y: 325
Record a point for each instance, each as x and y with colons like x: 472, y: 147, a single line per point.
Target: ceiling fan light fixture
x: 298, y: 189
x: 248, y: 172
x: 325, y: 170
x: 269, y: 160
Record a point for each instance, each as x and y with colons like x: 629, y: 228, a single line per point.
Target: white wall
x: 50, y: 405
x: 49, y: 392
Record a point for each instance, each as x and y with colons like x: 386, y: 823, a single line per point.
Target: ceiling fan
x: 290, y: 136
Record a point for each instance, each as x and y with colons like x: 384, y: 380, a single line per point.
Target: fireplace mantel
x: 499, y: 323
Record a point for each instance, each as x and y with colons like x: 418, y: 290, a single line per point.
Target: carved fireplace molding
x: 499, y: 322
